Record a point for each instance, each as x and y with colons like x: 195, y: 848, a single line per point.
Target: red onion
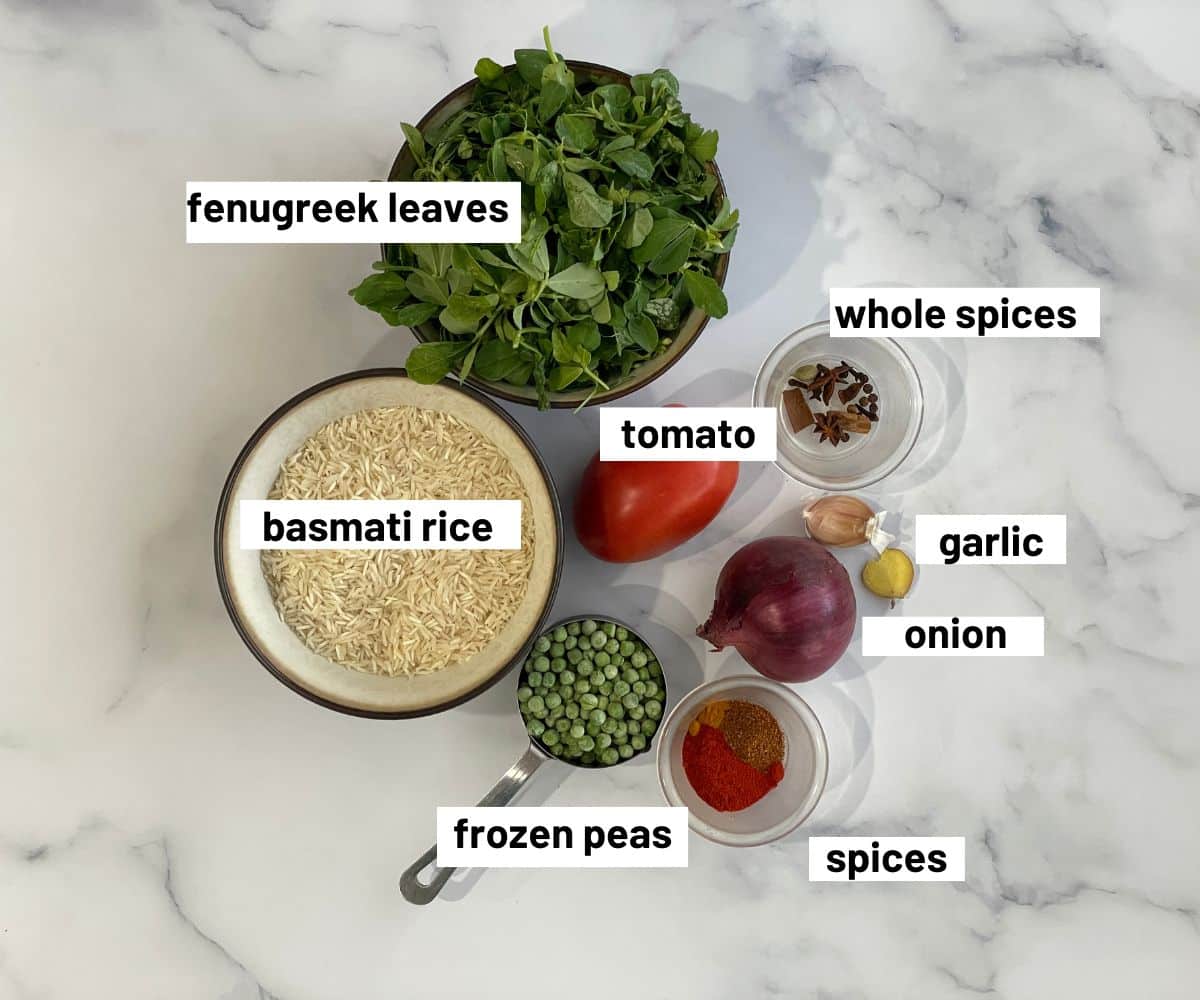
x: 786, y: 605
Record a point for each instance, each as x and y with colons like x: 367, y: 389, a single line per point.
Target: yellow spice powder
x: 712, y: 714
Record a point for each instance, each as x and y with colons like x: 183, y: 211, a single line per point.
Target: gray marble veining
x: 176, y: 824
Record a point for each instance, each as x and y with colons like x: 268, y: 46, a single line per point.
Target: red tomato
x: 630, y: 511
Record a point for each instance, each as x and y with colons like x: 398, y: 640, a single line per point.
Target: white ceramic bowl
x: 865, y: 458
x: 248, y: 599
x: 784, y: 807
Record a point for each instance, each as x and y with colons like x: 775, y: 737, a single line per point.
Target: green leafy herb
x: 497, y: 360
x: 429, y: 363
x: 643, y: 332
x: 488, y: 71
x: 427, y: 288
x: 579, y: 281
x: 634, y: 162
x: 636, y: 228
x: 380, y: 291
x: 664, y: 313
x: 705, y: 293
x: 667, y: 246
x: 586, y: 207
x: 620, y: 230
x: 411, y: 314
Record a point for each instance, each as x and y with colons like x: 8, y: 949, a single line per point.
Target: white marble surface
x: 174, y: 823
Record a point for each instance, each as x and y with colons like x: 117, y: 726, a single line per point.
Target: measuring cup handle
x: 504, y: 791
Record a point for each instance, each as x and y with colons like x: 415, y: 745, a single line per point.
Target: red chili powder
x: 720, y: 777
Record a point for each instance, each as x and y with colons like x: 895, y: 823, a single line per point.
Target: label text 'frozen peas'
x: 687, y: 433
x: 353, y: 212
x: 380, y: 524
x: 562, y: 836
x: 964, y: 312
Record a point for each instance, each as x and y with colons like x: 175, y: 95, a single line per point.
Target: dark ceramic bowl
x: 692, y: 323
x: 248, y: 599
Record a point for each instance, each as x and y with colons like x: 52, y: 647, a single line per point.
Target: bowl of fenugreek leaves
x: 626, y: 230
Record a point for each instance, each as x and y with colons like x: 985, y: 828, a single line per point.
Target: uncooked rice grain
x: 392, y: 611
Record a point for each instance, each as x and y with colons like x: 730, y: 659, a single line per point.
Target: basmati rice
x: 388, y: 611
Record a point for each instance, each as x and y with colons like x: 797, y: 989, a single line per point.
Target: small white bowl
x: 784, y: 807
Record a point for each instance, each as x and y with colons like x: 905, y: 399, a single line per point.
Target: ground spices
x: 712, y: 714
x: 733, y: 754
x: 720, y: 777
x: 753, y: 734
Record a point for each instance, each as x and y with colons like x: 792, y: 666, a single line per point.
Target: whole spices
x: 799, y: 413
x: 828, y: 385
x: 733, y: 754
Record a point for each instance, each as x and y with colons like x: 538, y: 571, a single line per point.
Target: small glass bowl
x: 784, y: 807
x: 865, y: 458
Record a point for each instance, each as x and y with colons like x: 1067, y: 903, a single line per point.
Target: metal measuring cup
x: 514, y: 779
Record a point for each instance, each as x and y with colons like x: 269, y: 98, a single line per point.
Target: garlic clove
x: 842, y: 521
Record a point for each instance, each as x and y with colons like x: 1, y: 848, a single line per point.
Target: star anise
x: 825, y: 383
x: 825, y: 426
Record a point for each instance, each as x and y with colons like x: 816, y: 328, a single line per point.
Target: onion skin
x: 787, y: 605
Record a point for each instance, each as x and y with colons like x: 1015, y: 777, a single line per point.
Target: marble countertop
x: 174, y: 823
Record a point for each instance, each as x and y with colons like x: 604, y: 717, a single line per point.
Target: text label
x: 353, y: 212
x: 964, y: 312
x: 562, y: 837
x: 687, y: 434
x: 887, y: 859
x: 898, y: 636
x: 380, y: 524
x: 991, y: 539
